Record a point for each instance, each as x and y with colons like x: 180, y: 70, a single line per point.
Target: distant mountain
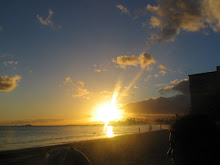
x: 161, y: 105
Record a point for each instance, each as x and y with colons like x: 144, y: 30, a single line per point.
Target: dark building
x: 205, y: 93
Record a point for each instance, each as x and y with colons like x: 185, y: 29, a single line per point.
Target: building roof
x: 217, y: 70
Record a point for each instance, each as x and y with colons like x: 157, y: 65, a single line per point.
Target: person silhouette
x: 194, y: 140
x: 66, y: 156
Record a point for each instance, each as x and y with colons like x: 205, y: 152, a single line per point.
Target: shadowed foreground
x: 137, y: 149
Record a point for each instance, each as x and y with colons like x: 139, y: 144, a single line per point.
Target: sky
x: 59, y: 60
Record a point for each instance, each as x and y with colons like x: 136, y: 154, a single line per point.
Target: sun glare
x: 109, y: 131
x: 108, y: 112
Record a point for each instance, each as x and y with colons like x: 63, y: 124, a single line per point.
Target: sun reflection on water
x: 109, y: 131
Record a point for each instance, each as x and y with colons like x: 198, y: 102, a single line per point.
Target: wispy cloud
x: 148, y: 78
x: 97, y: 70
x: 174, y: 81
x: 7, y: 84
x: 68, y: 80
x: 100, y: 67
x: 123, y: 9
x: 6, y: 63
x: 107, y: 94
x: 81, y: 93
x: 48, y: 20
x: 136, y: 87
x: 80, y: 90
x: 4, y: 55
x: 143, y: 60
x: 160, y: 85
x: 163, y: 69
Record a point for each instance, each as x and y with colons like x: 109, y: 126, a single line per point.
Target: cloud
x: 80, y: 83
x: 143, y: 60
x: 181, y: 86
x: 123, y: 9
x: 172, y: 16
x: 100, y: 68
x: 163, y: 69
x: 68, y: 80
x: 128, y: 94
x: 174, y: 81
x: 124, y: 61
x: 4, y: 55
x: 106, y: 94
x: 48, y: 20
x: 136, y: 87
x: 146, y: 59
x: 81, y: 93
x: 1, y: 28
x: 148, y: 78
x: 7, y: 84
x: 80, y: 90
x: 6, y: 63
x: 160, y: 85
x: 156, y: 75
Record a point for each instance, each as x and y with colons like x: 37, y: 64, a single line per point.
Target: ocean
x: 18, y: 137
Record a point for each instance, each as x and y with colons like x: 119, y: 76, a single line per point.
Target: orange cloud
x: 143, y: 60
x: 123, y: 9
x: 7, y: 84
x: 48, y: 20
x: 163, y: 69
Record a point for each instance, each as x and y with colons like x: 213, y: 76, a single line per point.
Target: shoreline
x: 138, y: 148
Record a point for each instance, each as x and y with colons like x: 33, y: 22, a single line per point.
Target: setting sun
x: 108, y: 112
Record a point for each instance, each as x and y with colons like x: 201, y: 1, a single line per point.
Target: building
x: 205, y: 93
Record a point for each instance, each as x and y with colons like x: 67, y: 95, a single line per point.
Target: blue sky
x: 63, y: 53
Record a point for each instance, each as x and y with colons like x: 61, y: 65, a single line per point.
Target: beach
x: 135, y: 149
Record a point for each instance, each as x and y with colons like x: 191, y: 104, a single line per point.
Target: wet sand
x: 136, y: 149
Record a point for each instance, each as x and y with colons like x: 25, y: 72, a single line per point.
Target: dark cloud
x: 181, y: 86
x: 8, y: 83
x: 172, y: 16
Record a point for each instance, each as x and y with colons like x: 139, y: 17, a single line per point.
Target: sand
x: 135, y: 149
